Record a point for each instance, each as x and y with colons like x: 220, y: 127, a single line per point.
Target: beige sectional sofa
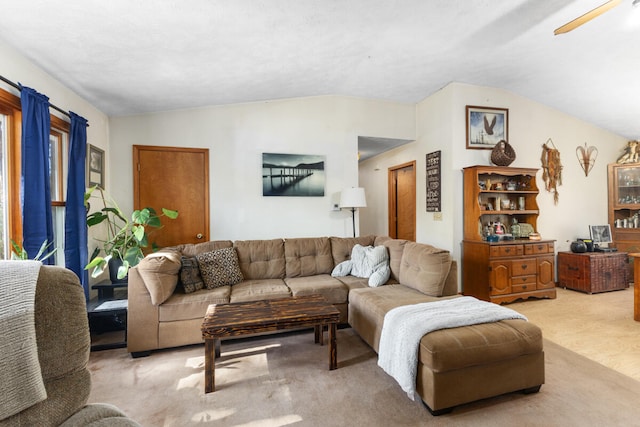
x: 455, y: 366
x: 162, y: 315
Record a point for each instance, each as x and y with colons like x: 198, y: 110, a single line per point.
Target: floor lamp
x: 353, y: 198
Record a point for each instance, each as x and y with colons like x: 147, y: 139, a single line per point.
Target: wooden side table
x: 593, y: 272
x: 107, y: 288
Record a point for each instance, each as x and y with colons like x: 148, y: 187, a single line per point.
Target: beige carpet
x: 283, y: 379
x: 597, y: 326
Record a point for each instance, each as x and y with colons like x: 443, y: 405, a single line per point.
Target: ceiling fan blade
x: 587, y: 17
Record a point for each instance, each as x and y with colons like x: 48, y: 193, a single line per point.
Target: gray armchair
x: 63, y: 347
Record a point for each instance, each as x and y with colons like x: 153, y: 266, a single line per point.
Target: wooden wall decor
x: 551, y: 168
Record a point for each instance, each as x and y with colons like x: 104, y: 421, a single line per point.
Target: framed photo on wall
x: 298, y: 175
x: 486, y: 126
x: 95, y: 166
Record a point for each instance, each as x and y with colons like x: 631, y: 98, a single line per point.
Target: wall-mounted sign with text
x: 433, y: 182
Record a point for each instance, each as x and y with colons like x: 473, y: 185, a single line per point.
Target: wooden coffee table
x: 231, y: 320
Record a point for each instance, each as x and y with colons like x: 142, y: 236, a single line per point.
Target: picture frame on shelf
x: 95, y: 166
x: 486, y: 126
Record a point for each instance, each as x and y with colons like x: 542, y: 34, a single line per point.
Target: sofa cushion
x: 352, y: 282
x: 323, y: 284
x: 159, y: 272
x: 193, y: 249
x: 341, y: 246
x: 190, y: 277
x: 368, y: 306
x: 259, y: 289
x: 482, y: 344
x: 192, y: 306
x: 219, y: 268
x: 424, y: 268
x: 261, y: 259
x: 395, y: 247
x: 308, y: 256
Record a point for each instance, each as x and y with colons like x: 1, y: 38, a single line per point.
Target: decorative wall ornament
x: 586, y: 157
x: 551, y: 168
x: 503, y: 154
x: 631, y: 153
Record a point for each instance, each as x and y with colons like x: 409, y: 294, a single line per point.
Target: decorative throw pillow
x: 342, y: 269
x: 190, y: 275
x: 371, y: 262
x: 219, y: 268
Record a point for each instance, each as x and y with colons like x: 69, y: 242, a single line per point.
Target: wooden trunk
x: 593, y: 272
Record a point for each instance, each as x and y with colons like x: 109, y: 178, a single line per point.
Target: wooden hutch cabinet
x: 514, y: 267
x: 624, y: 206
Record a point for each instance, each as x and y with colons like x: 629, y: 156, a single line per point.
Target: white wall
x: 19, y: 69
x: 441, y: 126
x: 237, y: 135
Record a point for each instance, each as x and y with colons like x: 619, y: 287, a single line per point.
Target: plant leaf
x: 138, y: 232
x: 123, y: 270
x: 170, y: 213
x: 154, y: 221
x: 141, y: 217
x: 96, y: 218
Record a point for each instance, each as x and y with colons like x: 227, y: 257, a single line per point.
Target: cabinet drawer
x: 523, y: 288
x: 505, y: 251
x: 524, y: 280
x: 523, y: 267
x: 538, y: 248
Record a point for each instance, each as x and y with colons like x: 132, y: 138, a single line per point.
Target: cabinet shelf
x: 510, y: 212
x: 510, y: 191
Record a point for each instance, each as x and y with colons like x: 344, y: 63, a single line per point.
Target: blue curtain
x: 75, y: 225
x: 37, y: 222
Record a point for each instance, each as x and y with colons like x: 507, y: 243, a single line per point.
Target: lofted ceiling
x: 128, y: 57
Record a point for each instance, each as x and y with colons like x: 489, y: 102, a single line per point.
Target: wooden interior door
x: 402, y: 201
x: 174, y: 178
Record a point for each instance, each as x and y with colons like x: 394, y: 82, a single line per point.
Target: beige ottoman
x: 458, y: 365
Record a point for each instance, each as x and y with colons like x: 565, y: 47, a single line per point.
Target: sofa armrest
x: 142, y: 316
x: 451, y: 282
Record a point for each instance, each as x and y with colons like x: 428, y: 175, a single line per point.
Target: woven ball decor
x: 502, y: 154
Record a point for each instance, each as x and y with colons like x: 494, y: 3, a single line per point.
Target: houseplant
x: 18, y: 253
x: 125, y: 237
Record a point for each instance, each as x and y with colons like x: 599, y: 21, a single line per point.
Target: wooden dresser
x: 503, y: 272
x: 508, y: 269
x: 593, y: 272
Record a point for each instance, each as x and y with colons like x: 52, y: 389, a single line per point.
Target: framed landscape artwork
x: 486, y: 126
x: 297, y: 175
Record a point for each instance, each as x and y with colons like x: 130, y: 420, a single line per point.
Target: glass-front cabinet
x: 624, y: 206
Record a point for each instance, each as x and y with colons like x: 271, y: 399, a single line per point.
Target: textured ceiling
x: 127, y: 57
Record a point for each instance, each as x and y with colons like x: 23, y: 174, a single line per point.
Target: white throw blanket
x: 404, y: 327
x: 21, y: 383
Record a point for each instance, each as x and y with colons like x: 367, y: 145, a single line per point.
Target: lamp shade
x: 353, y: 198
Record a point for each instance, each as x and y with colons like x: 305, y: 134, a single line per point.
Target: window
x: 58, y: 167
x: 4, y: 201
x: 10, y: 215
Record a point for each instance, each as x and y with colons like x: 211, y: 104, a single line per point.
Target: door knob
x: 199, y: 236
